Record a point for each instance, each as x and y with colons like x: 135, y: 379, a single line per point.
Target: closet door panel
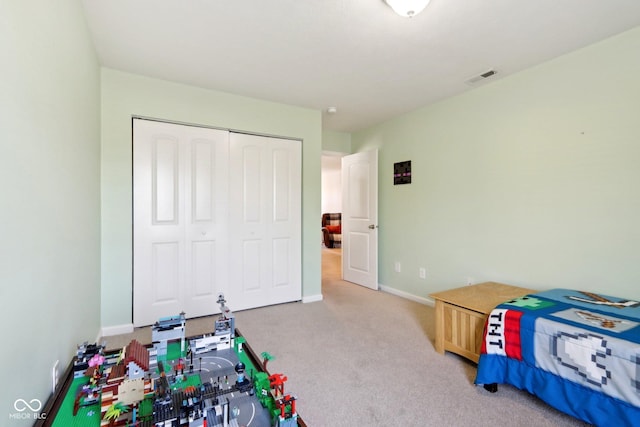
x: 165, y: 179
x: 206, y: 209
x: 180, y: 211
x: 165, y: 271
x: 281, y: 262
x: 158, y: 231
x: 214, y: 212
x: 203, y: 180
x: 267, y: 197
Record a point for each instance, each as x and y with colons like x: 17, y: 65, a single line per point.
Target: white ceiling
x: 356, y: 55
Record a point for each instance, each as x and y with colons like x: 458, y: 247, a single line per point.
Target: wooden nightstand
x: 462, y: 312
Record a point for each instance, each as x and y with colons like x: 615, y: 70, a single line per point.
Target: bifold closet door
x: 265, y: 221
x: 213, y: 211
x: 180, y: 214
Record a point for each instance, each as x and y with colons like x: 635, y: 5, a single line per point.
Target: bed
x: 577, y: 351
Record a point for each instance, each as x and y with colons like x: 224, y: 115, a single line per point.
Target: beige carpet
x: 366, y: 358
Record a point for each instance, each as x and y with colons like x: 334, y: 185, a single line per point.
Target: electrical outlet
x: 54, y: 376
x: 422, y: 272
x: 397, y: 267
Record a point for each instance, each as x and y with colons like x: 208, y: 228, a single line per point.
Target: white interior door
x: 360, y: 218
x: 265, y: 195
x: 180, y: 213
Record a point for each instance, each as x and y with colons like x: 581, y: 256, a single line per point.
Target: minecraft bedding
x: 577, y: 351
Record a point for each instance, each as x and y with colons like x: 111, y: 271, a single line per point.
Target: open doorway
x: 331, y: 195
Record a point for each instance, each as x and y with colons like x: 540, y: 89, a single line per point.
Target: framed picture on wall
x: 402, y: 173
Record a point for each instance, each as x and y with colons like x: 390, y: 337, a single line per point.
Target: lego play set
x: 209, y: 380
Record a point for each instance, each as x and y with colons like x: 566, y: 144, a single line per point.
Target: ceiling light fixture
x: 407, y: 8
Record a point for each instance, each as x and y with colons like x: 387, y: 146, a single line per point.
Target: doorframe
x: 339, y: 155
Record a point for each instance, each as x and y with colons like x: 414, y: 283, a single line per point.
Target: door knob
x: 372, y: 227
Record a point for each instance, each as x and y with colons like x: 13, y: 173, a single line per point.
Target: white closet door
x: 265, y: 222
x: 180, y: 213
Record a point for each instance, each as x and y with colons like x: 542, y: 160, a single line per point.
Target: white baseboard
x: 406, y: 295
x: 312, y: 298
x: 108, y: 331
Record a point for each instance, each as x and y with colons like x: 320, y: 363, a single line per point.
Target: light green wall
x: 530, y: 180
x: 125, y: 95
x: 339, y: 142
x: 49, y: 180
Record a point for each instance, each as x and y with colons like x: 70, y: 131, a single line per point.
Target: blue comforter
x: 577, y: 351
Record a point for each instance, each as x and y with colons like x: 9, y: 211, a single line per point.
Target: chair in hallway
x: 332, y: 229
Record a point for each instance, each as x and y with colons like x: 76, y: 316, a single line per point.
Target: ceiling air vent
x: 481, y: 77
